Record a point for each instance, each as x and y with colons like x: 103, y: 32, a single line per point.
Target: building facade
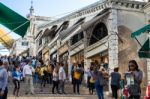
x: 97, y: 33
x: 26, y: 46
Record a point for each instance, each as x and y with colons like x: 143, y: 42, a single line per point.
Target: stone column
x: 69, y: 61
x: 112, y: 42
x: 86, y: 60
x: 58, y: 46
x: 148, y: 71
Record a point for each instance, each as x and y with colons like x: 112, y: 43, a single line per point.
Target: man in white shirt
x: 27, y: 74
x: 62, y: 78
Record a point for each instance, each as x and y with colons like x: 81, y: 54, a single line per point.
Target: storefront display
x: 78, y: 58
x: 101, y: 59
x: 46, y: 56
x: 53, y: 56
x: 64, y: 59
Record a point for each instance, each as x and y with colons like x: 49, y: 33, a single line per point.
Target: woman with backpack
x: 133, y: 79
x: 43, y: 75
x: 77, y: 78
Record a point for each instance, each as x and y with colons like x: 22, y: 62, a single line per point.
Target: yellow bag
x: 91, y: 80
x: 77, y: 75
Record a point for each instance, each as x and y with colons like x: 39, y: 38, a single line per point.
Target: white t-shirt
x: 62, y: 74
x: 27, y: 70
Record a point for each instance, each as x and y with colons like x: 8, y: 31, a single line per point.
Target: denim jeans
x: 5, y: 94
x: 61, y: 86
x: 99, y: 89
x: 36, y: 79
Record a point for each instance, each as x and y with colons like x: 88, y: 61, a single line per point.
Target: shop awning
x: 140, y: 31
x: 144, y: 52
x: 13, y: 20
x: 6, y: 40
x: 142, y: 37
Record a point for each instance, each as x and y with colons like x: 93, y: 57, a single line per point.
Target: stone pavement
x: 58, y: 97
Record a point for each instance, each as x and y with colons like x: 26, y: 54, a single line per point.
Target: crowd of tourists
x: 34, y: 71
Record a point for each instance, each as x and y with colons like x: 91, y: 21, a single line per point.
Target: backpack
x: 77, y: 75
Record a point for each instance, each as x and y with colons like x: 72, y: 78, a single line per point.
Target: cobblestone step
x: 47, y: 90
x: 72, y: 97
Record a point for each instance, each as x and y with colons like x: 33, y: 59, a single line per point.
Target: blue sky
x: 46, y: 7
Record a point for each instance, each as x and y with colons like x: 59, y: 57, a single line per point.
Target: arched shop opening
x: 97, y: 55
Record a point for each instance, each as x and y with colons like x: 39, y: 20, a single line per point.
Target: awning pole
x: 14, y: 29
x: 138, y: 42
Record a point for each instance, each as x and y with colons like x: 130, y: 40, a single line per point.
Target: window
x: 64, y: 26
x: 24, y: 44
x: 46, y: 40
x: 40, y: 42
x: 53, y: 31
x: 77, y: 38
x: 99, y: 32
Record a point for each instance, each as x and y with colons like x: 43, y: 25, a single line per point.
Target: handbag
x: 102, y: 81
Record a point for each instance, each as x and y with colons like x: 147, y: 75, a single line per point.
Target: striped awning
x: 5, y: 39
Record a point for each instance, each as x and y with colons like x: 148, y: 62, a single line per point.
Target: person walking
x: 16, y: 75
x: 55, y: 81
x: 28, y: 71
x: 50, y: 69
x: 115, y: 82
x: 100, y: 77
x: 133, y: 79
x: 62, y: 78
x: 43, y: 76
x: 3, y: 81
x: 77, y: 79
x: 91, y: 80
x: 36, y: 74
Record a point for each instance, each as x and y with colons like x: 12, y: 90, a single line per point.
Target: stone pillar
x: 112, y: 42
x: 86, y: 60
x: 69, y: 61
x: 58, y: 46
x: 148, y: 71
